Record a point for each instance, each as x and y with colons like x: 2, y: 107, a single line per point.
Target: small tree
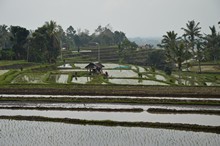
x: 19, y: 39
x: 174, y: 49
x: 212, y: 44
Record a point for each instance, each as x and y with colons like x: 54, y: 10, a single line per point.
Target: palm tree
x: 174, y: 49
x: 192, y: 32
x: 169, y: 42
x: 212, y: 43
x: 54, y: 41
x: 4, y: 36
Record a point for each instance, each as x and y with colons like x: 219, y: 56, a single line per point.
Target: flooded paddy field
x: 81, y: 80
x: 30, y: 78
x: 3, y: 72
x: 107, y: 97
x: 21, y: 132
x: 105, y: 105
x: 46, y: 133
x: 59, y: 78
x: 37, y: 109
x: 135, y: 82
x: 199, y: 119
x: 120, y: 74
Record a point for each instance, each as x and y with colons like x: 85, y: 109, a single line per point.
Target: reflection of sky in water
x: 46, y: 133
x: 62, y: 78
x: 65, y: 66
x: 211, y: 120
x: 135, y: 82
x: 3, y: 72
x: 72, y: 70
x: 81, y: 65
x: 121, y: 73
x: 36, y: 78
x: 107, y: 105
x: 160, y: 77
x: 81, y: 80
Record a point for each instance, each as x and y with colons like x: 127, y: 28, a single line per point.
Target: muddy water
x: 211, y: 120
x: 19, y: 133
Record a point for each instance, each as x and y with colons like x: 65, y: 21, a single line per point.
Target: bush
x: 168, y: 71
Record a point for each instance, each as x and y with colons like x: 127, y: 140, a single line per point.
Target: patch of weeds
x: 97, y: 79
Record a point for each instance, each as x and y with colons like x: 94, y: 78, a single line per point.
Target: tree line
x: 192, y: 45
x: 45, y: 43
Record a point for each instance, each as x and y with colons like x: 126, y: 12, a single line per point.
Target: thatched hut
x: 94, y: 67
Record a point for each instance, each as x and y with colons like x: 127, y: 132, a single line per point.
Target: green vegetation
x: 11, y: 62
x: 187, y: 64
x: 46, y: 43
x: 8, y: 77
x: 188, y: 60
x: 103, y: 100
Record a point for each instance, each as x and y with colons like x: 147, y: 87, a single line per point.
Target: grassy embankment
x: 96, y: 88
x: 175, y: 111
x: 158, y: 91
x: 77, y: 109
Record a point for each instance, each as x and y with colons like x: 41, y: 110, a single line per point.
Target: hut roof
x: 99, y: 65
x: 90, y: 65
x: 94, y: 65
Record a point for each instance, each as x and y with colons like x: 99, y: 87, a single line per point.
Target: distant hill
x: 143, y: 41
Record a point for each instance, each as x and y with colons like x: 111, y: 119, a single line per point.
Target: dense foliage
x: 191, y: 46
x: 46, y: 42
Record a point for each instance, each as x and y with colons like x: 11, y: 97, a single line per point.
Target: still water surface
x: 20, y: 133
x: 211, y: 120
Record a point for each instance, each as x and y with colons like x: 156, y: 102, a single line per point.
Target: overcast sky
x: 143, y: 18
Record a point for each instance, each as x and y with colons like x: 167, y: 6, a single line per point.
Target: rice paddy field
x: 118, y: 74
x: 66, y: 105
x: 19, y: 133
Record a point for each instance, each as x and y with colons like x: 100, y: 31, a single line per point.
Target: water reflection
x: 211, y: 120
x: 47, y: 134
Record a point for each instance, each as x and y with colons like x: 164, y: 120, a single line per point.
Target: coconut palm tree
x: 212, y: 42
x: 192, y: 33
x: 169, y: 42
x: 174, y: 49
x: 4, y: 36
x: 53, y: 37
